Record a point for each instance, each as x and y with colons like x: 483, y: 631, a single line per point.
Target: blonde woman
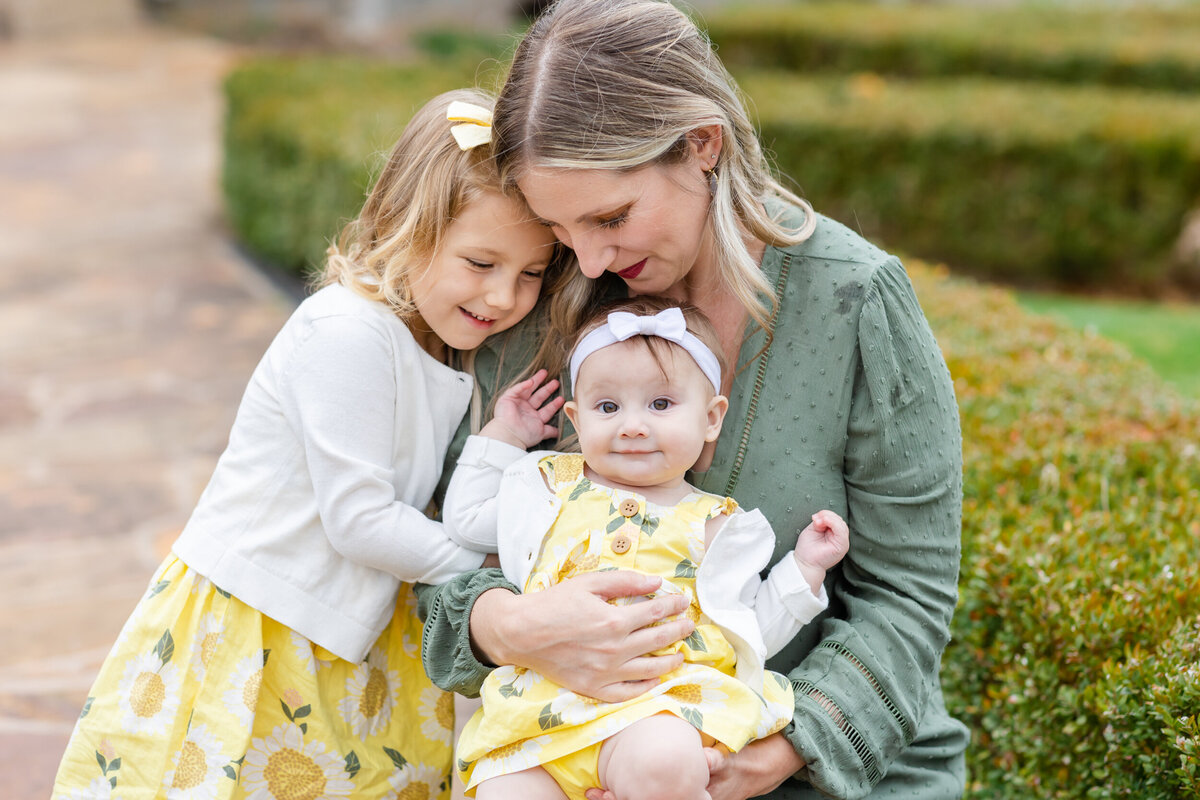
x: 621, y: 129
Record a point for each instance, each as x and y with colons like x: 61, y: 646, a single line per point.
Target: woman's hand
x: 757, y: 769
x: 571, y: 634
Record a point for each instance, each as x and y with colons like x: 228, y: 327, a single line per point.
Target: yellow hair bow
x: 476, y: 127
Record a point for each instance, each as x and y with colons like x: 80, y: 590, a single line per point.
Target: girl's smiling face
x: 486, y: 276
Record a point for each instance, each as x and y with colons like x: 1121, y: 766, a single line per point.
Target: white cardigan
x: 498, y: 500
x: 314, y: 514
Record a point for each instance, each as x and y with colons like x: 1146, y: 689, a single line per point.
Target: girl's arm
x: 522, y: 420
x: 783, y: 603
x: 340, y: 394
x: 469, y: 513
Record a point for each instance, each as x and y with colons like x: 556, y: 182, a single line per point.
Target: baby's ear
x: 571, y: 409
x: 716, y: 417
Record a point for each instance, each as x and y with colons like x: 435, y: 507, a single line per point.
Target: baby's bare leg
x: 528, y: 784
x: 657, y: 758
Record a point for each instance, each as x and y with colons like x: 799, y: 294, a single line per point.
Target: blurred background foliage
x: 1042, y: 147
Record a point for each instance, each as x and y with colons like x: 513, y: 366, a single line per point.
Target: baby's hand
x: 523, y: 414
x: 821, y: 545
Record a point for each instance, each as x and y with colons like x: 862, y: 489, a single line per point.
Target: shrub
x: 1125, y: 46
x: 1027, y: 183
x: 1074, y: 659
x: 303, y: 140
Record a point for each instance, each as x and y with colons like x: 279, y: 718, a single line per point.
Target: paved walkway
x: 128, y: 328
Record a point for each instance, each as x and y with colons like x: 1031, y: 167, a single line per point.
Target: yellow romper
x: 527, y: 720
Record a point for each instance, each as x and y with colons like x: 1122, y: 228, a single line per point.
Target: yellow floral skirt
x: 202, y: 697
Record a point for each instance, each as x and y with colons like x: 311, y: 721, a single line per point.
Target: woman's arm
x: 862, y: 692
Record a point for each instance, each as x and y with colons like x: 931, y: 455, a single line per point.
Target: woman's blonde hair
x: 620, y: 84
x: 425, y: 183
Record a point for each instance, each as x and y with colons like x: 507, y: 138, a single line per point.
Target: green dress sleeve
x: 864, y: 690
x: 446, y: 649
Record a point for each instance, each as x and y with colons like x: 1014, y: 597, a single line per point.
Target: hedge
x: 303, y: 140
x: 1076, y: 651
x: 1074, y: 658
x: 1127, y: 46
x: 1033, y: 184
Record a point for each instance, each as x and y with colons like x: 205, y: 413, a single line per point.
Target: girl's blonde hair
x: 425, y: 183
x: 620, y: 84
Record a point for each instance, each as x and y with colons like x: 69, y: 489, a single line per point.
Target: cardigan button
x: 628, y: 507
x: 621, y: 544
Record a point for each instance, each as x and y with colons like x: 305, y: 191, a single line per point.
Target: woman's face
x: 649, y: 225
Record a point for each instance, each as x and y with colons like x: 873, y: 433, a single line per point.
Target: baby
x: 647, y: 401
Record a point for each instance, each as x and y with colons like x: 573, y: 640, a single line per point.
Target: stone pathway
x: 128, y: 328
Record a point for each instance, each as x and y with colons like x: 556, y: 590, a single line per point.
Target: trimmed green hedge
x: 1076, y: 652
x: 303, y: 140
x: 1127, y: 46
x: 1034, y: 184
x: 1074, y: 659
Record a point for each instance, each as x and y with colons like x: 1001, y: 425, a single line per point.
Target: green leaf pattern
x: 396, y: 758
x: 548, y: 719
x: 685, y: 569
x: 165, y: 648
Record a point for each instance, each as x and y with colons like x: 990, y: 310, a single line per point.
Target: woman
x: 624, y: 133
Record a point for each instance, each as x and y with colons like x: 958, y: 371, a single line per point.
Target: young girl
x: 276, y: 652
x: 646, y: 405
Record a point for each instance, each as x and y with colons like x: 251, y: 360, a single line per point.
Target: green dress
x: 851, y: 409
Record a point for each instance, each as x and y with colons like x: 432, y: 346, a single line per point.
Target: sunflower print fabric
x: 526, y: 720
x: 204, y: 698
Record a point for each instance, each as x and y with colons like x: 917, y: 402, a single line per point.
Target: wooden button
x: 628, y: 507
x: 620, y: 544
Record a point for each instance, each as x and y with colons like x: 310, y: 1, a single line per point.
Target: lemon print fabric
x: 527, y: 720
x: 204, y: 698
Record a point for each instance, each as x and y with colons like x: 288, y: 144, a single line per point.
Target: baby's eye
x: 660, y: 404
x: 606, y: 407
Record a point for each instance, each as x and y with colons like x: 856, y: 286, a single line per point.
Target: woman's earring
x: 712, y: 180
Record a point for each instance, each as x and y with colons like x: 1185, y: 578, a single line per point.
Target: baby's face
x: 639, y: 424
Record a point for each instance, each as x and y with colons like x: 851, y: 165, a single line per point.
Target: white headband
x: 668, y: 324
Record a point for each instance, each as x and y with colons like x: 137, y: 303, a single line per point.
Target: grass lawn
x: 1165, y: 335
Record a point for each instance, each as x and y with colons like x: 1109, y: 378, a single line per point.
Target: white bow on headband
x: 668, y: 324
x: 476, y: 127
